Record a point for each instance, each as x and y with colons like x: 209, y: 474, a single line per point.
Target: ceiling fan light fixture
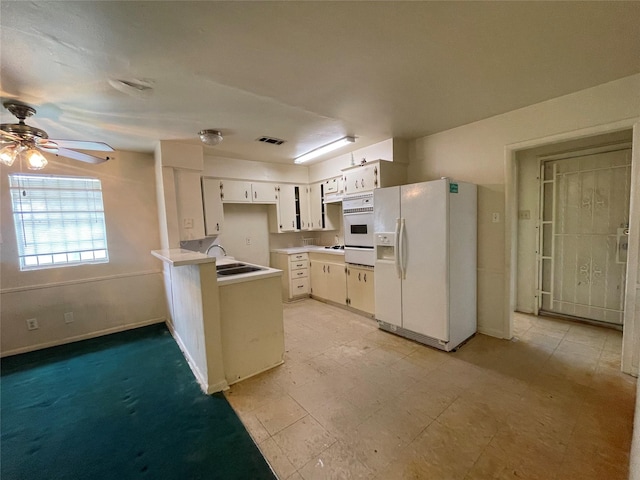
x: 210, y: 137
x: 9, y: 154
x: 35, y: 160
x: 329, y: 147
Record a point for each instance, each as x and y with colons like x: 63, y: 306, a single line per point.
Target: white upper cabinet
x: 262, y: 192
x: 189, y: 205
x: 322, y: 216
x: 238, y: 191
x: 316, y: 212
x: 303, y: 208
x: 235, y: 191
x: 376, y: 174
x: 286, y: 209
x: 212, y: 202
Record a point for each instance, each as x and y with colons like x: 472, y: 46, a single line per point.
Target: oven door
x: 358, y: 230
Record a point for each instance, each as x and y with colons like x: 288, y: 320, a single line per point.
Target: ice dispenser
x: 385, y: 246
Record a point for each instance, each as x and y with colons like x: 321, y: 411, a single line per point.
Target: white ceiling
x: 305, y: 72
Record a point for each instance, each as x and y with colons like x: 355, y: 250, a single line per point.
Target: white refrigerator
x: 425, y: 238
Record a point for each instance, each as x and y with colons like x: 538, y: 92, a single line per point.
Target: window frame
x: 68, y: 210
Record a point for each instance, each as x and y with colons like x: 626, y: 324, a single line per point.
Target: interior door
x: 584, y: 238
x: 424, y: 208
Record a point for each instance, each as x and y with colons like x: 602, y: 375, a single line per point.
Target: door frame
x: 631, y: 328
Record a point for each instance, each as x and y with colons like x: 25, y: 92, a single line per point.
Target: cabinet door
x: 337, y: 278
x: 361, y: 179
x: 316, y: 207
x: 360, y: 289
x: 287, y: 208
x: 262, y: 192
x: 212, y: 202
x: 189, y: 204
x: 303, y: 199
x: 319, y: 279
x: 234, y: 191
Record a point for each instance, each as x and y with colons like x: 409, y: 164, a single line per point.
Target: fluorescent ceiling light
x: 329, y: 147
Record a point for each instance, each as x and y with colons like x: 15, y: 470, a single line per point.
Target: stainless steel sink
x: 236, y: 269
x: 230, y: 265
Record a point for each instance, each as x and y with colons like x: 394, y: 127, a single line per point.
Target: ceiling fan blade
x: 7, y: 137
x: 82, y: 145
x: 47, y: 145
x: 83, y: 157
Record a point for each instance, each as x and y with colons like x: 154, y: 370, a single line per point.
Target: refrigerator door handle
x: 403, y: 267
x: 396, y: 248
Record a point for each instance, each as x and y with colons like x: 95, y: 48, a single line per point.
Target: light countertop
x: 179, y: 257
x: 308, y: 249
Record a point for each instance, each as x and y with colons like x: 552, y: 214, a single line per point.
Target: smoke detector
x: 210, y: 137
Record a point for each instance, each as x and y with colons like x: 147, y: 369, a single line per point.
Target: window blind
x: 59, y: 220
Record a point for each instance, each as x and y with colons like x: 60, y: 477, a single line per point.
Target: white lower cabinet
x: 295, y: 274
x: 328, y: 277
x: 360, y: 288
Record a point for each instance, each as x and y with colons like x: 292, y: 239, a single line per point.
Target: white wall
x: 104, y: 298
x: 476, y: 153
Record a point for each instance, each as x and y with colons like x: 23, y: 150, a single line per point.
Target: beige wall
x: 476, y: 153
x: 124, y: 293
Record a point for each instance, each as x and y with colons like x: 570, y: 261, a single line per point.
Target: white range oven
x: 357, y: 213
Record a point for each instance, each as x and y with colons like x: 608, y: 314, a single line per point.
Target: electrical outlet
x: 187, y: 223
x: 248, y: 241
x: 68, y: 317
x: 32, y: 323
x: 495, y: 217
x: 524, y: 214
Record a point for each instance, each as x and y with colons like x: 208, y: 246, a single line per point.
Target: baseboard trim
x: 200, y: 378
x: 85, y: 336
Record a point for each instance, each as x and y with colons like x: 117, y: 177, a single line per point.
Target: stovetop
x: 336, y: 247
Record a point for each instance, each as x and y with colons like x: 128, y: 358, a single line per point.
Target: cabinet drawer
x: 299, y: 264
x: 299, y: 286
x: 296, y: 257
x: 301, y: 273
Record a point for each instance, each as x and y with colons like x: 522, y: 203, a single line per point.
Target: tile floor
x: 355, y: 402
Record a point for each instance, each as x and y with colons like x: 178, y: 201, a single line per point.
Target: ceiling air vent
x: 271, y: 140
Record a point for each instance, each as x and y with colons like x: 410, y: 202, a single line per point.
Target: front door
x: 584, y: 230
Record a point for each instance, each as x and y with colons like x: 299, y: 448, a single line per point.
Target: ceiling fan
x: 26, y: 143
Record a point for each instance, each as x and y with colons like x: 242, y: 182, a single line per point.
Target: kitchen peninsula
x: 224, y: 337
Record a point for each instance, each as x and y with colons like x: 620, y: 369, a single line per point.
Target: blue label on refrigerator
x: 453, y: 188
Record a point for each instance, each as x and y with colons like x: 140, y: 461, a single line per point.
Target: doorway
x: 583, y: 231
x: 564, y: 189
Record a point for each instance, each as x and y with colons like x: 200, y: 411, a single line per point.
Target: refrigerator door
x: 424, y: 208
x: 387, y: 283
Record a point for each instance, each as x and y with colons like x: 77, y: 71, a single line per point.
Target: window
x: 59, y: 220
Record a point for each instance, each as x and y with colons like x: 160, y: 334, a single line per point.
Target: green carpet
x: 123, y: 406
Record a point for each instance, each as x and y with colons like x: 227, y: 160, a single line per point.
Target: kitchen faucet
x: 216, y: 245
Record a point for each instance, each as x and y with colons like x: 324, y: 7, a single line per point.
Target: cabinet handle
x: 362, y: 183
x: 255, y: 194
x: 328, y: 268
x: 356, y: 183
x: 246, y: 194
x: 324, y: 268
x: 217, y: 227
x: 365, y: 278
x: 359, y: 275
x: 293, y: 223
